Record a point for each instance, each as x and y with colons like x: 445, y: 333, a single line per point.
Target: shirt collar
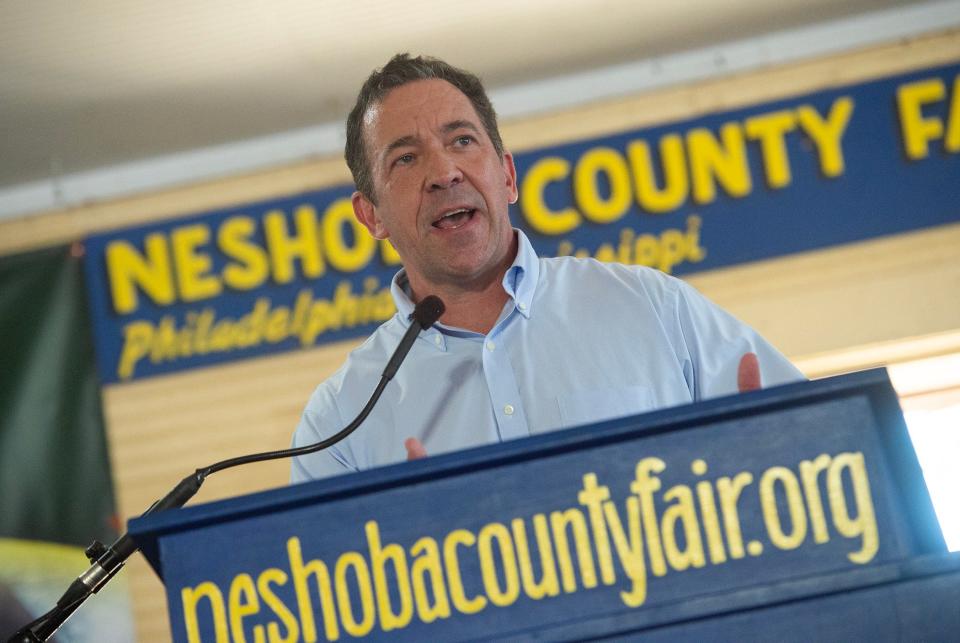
x: 519, y: 282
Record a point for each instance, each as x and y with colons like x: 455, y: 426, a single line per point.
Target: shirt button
x: 490, y: 345
x: 508, y: 409
x: 437, y: 340
x: 522, y: 306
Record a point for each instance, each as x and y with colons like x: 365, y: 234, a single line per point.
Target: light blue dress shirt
x: 578, y: 341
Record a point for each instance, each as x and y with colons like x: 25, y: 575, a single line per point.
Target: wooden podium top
x: 627, y: 523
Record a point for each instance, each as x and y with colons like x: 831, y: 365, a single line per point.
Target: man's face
x: 442, y: 191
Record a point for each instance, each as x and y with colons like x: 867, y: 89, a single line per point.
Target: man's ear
x: 510, y: 172
x: 366, y: 213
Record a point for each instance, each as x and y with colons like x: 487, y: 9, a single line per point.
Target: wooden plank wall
x: 830, y: 310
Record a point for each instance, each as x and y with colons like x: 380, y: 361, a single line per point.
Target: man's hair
x: 403, y: 69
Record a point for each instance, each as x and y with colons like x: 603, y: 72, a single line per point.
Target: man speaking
x: 526, y: 344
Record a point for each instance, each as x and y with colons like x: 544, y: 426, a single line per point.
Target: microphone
x: 424, y: 315
x: 107, y: 561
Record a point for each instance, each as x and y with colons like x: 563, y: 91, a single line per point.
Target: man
x: 526, y: 345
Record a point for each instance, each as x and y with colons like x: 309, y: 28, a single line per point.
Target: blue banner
x: 807, y: 172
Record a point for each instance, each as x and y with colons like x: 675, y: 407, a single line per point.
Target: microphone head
x: 428, y: 311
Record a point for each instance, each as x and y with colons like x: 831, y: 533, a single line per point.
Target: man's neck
x: 476, y: 311
x: 472, y: 306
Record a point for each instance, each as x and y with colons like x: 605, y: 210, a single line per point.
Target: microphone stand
x: 107, y: 561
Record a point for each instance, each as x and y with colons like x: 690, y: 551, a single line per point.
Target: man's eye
x: 404, y: 159
x: 464, y: 140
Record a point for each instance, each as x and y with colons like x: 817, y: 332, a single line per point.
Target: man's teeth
x: 453, y: 219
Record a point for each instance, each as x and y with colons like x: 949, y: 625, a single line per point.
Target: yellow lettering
x: 770, y: 130
x: 452, y: 564
x: 811, y: 489
x: 283, y: 249
x: 250, y: 267
x: 827, y: 134
x: 676, y: 187
x: 137, y: 338
x: 586, y: 187
x: 193, y: 279
x: 277, y: 325
x: 190, y: 596
x: 127, y: 269
x: 673, y: 249
x: 695, y: 253
x: 344, y: 257
x: 708, y: 509
x: 243, y: 602
x: 771, y: 514
x: 682, y: 511
x: 917, y: 130
x: 274, y: 576
x: 952, y: 141
x: 508, y: 594
x: 368, y: 610
x: 533, y: 204
x: 730, y: 491
x: 630, y: 551
x: 644, y: 486
x: 592, y: 498
x: 548, y: 585
x: 428, y: 565
x: 865, y: 522
x: 559, y: 521
x: 301, y: 574
x: 389, y: 254
x: 713, y: 161
x: 378, y: 557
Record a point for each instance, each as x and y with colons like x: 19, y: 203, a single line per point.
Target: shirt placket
x: 502, y: 384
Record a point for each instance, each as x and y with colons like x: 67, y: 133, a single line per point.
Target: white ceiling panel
x: 93, y: 83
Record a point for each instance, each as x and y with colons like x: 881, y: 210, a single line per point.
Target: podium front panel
x: 589, y: 525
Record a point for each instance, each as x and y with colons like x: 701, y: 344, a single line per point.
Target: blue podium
x: 792, y: 513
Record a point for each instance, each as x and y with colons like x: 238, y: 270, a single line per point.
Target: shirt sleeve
x: 320, y: 420
x: 715, y: 342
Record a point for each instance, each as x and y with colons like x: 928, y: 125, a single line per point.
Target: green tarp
x: 56, y: 494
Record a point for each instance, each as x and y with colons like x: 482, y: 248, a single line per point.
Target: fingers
x: 748, y: 373
x: 415, y: 449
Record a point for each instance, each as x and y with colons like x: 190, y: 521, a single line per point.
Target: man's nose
x: 444, y: 172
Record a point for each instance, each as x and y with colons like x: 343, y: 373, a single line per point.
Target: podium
x: 792, y: 513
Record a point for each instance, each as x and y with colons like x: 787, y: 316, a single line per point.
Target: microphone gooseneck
x: 426, y: 313
x: 107, y: 561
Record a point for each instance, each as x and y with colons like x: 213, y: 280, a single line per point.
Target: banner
x: 807, y: 172
x: 57, y: 493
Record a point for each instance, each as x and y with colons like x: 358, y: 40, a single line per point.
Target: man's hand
x: 748, y: 374
x: 415, y: 450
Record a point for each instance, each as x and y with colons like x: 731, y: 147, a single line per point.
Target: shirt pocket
x: 596, y: 405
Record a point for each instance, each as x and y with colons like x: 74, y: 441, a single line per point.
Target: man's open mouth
x: 454, y: 218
